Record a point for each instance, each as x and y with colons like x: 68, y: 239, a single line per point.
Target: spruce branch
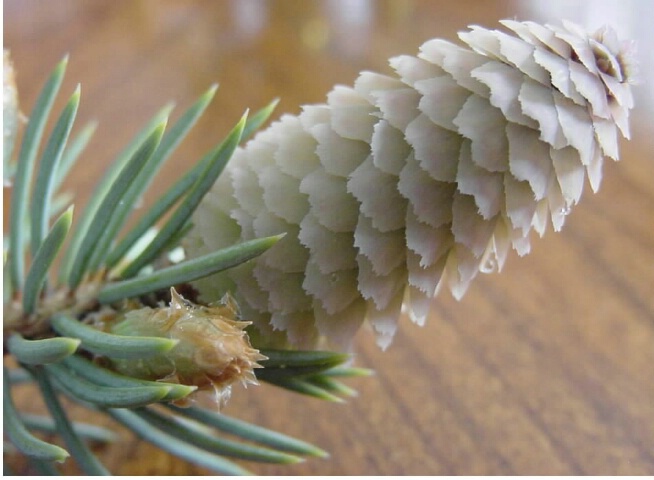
x: 73, y: 333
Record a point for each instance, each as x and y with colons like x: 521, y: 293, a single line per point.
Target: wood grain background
x: 546, y: 368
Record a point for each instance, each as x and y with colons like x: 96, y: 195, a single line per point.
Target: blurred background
x: 547, y: 368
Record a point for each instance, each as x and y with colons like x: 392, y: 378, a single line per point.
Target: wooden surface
x: 546, y: 368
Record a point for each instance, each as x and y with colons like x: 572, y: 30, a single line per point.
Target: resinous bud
x: 213, y: 352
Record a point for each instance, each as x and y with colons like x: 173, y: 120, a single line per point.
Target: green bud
x: 213, y: 350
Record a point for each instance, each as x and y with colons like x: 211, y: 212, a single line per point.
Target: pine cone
x: 409, y: 182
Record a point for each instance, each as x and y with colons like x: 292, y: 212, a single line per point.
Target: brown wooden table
x: 546, y: 368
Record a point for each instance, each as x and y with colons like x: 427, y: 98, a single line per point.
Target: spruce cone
x: 406, y: 183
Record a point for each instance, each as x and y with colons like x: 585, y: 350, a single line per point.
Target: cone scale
x: 415, y: 181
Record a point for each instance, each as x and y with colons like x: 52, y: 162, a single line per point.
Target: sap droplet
x: 488, y: 265
x: 565, y: 210
x: 489, y: 261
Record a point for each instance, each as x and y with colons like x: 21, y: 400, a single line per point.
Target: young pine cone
x: 405, y: 183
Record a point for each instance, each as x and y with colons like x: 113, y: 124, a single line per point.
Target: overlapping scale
x: 408, y: 183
